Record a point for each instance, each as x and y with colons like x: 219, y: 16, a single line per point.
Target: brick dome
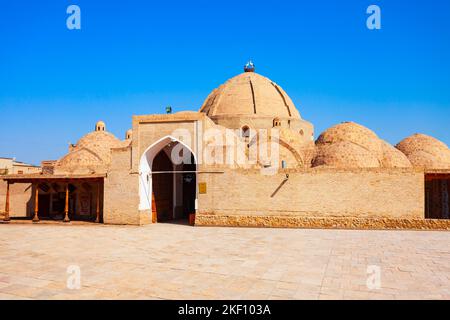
x: 80, y: 157
x: 250, y: 94
x: 392, y: 157
x: 99, y: 140
x: 344, y: 154
x: 93, y: 152
x: 425, y: 152
x: 351, y: 132
x: 350, y: 145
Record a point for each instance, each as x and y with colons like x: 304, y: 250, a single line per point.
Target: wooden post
x: 192, y: 219
x: 97, y: 219
x: 6, y: 217
x: 66, y: 207
x: 36, y: 204
x: 154, y: 213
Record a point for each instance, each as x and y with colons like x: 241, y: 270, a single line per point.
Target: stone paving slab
x: 173, y: 261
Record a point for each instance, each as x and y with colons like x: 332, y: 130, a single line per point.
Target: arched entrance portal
x: 168, y: 180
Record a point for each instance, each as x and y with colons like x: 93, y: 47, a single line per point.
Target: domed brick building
x: 350, y: 145
x: 246, y: 158
x: 92, y: 153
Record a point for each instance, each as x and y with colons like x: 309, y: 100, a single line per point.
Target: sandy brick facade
x: 387, y: 197
x: 361, y: 198
x: 149, y: 129
x: 21, y: 202
x: 121, y: 191
x: 321, y: 193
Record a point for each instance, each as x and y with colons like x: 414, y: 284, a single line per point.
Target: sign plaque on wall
x: 202, y: 187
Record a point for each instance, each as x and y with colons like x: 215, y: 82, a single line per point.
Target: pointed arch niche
x: 168, y: 180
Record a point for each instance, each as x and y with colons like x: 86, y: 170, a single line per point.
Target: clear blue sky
x: 136, y: 57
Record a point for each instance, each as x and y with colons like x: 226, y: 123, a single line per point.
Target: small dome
x: 100, y: 126
x: 425, y: 152
x: 392, y: 157
x: 344, y: 154
x: 350, y: 145
x: 98, y: 139
x: 423, y: 160
x: 250, y: 94
x: 92, y: 150
x: 351, y: 132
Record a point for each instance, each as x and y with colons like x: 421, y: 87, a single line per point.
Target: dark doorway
x: 173, y: 186
x: 162, y: 181
x: 44, y: 205
x: 437, y: 196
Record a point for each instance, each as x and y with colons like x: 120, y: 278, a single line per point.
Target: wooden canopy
x: 37, y: 178
x: 31, y: 178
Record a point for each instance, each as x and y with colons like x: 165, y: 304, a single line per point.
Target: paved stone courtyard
x: 170, y: 261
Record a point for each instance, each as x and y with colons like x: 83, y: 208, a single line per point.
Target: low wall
x: 321, y: 223
x: 21, y: 202
x: 246, y: 197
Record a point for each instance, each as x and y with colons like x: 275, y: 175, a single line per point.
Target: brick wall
x: 121, y: 196
x: 21, y: 201
x: 246, y: 194
x: 357, y: 193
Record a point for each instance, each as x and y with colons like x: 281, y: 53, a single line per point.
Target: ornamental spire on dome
x: 249, y: 67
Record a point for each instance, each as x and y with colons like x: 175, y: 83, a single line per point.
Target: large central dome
x: 251, y: 101
x: 250, y: 94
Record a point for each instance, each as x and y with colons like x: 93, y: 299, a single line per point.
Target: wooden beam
x: 36, y: 203
x: 6, y: 217
x: 66, y: 206
x: 436, y: 176
x: 49, y: 179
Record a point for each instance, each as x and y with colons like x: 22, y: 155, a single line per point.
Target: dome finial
x: 100, y: 126
x: 249, y: 67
